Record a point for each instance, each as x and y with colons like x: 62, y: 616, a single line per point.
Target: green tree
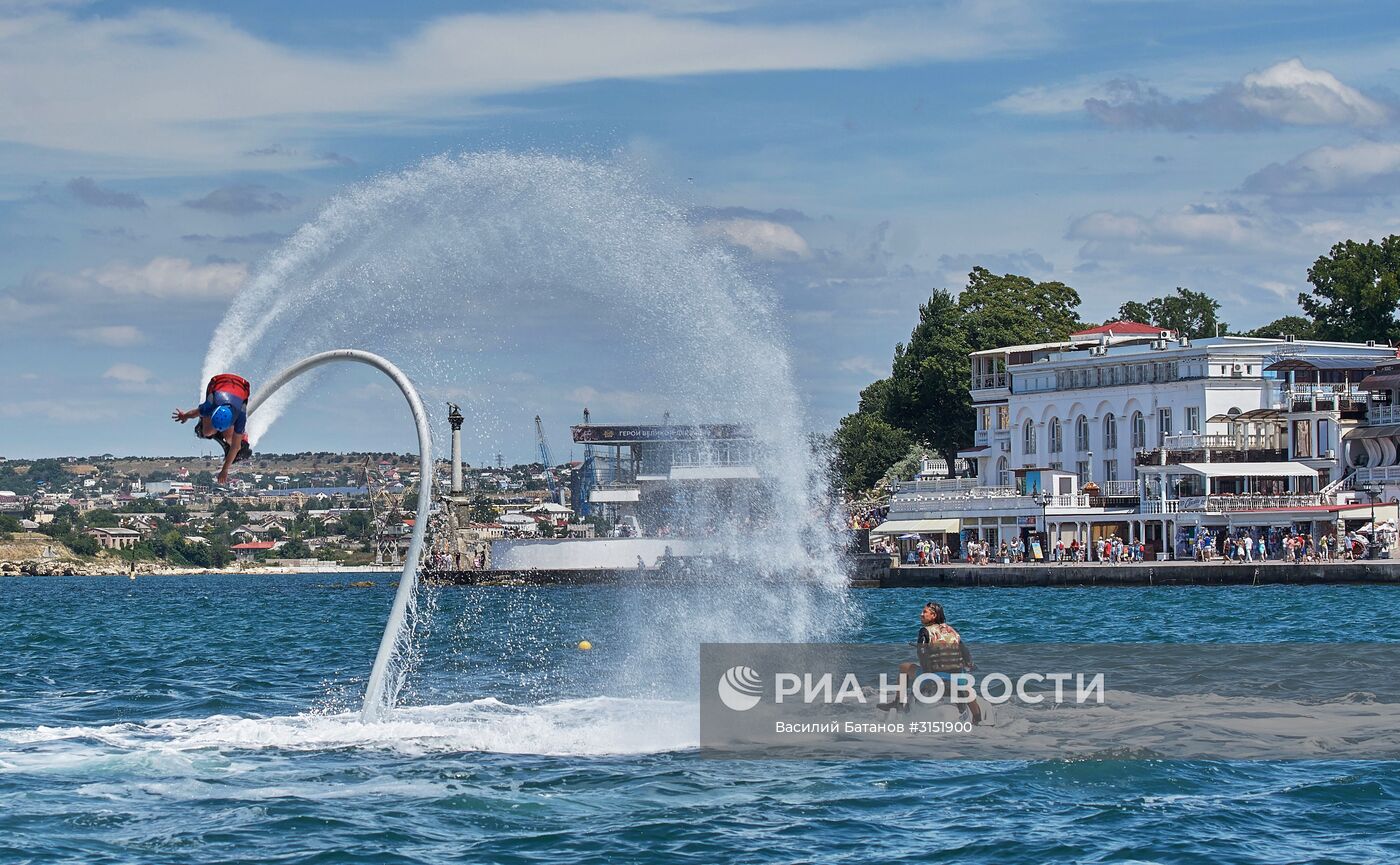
x: 101, y: 518
x: 47, y: 474
x: 1190, y: 313
x: 1356, y: 288
x: 1133, y: 310
x: 294, y: 549
x: 83, y: 545
x: 1016, y: 310
x: 1290, y: 325
x: 481, y: 510
x: 355, y: 524
x: 865, y: 447
x: 906, y: 467
x: 928, y: 393
x: 231, y: 511
x: 927, y: 396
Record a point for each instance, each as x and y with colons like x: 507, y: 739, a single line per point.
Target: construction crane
x: 546, y: 459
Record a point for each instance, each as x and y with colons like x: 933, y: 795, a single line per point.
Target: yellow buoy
x: 584, y: 646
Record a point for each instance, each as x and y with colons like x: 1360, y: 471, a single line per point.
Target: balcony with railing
x: 932, y: 488
x: 1222, y: 504
x: 1216, y: 447
x: 1119, y: 489
x: 1381, y: 413
x: 1365, y: 475
x: 1004, y: 500
x: 1323, y: 397
x: 991, y: 381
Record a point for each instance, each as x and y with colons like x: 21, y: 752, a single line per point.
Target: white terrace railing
x: 1198, y: 441
x: 1119, y: 489
x: 1225, y: 504
x: 997, y: 379
x: 940, y: 485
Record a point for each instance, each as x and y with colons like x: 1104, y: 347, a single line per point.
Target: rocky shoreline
x: 74, y: 568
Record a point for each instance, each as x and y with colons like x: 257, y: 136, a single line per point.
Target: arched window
x: 1139, y: 430
x: 1110, y: 432
x: 1081, y: 434
x: 1057, y: 437
x: 1028, y: 437
x: 1003, y: 474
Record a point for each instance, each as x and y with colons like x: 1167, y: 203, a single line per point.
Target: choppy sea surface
x: 212, y: 719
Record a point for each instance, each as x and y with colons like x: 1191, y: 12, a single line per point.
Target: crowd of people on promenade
x: 1246, y: 546
x: 868, y: 516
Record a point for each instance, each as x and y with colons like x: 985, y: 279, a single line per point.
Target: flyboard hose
x: 375, y: 708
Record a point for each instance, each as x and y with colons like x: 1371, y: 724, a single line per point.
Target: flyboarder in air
x: 223, y: 416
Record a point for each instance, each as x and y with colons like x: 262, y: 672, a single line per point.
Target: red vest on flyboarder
x: 230, y: 383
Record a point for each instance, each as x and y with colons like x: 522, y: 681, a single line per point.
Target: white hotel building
x: 1125, y: 429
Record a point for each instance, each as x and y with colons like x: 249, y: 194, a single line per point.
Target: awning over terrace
x: 1374, y: 432
x: 1246, y: 470
x: 925, y: 527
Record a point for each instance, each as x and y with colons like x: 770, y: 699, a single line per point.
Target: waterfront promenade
x: 1172, y: 573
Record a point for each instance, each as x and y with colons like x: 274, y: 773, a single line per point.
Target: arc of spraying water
x: 375, y: 704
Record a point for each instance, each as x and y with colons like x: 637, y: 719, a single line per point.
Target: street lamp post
x: 1042, y: 498
x: 1372, y: 490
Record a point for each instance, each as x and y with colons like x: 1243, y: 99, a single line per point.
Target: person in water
x: 223, y: 416
x: 941, y: 653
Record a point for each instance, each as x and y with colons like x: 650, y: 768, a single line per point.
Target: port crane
x: 547, y: 460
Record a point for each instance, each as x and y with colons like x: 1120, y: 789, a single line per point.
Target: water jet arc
x: 375, y: 704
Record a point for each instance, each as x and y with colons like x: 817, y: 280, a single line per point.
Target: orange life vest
x: 230, y: 383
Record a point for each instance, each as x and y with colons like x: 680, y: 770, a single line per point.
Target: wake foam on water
x: 596, y: 726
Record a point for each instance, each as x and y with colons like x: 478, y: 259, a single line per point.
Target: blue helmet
x: 222, y: 418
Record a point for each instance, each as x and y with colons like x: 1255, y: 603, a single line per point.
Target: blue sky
x: 854, y: 155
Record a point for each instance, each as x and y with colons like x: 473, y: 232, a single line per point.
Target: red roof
x: 1120, y: 328
x: 254, y: 545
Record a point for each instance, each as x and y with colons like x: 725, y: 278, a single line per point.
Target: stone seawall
x: 1156, y: 574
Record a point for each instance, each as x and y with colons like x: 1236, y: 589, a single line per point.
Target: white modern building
x: 1129, y: 430
x: 1372, y: 451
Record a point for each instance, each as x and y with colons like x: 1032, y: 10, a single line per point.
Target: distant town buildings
x: 1129, y: 431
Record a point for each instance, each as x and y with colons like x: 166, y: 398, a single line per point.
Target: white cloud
x: 1052, y: 99
x: 1287, y: 93
x: 171, y: 278
x: 115, y: 336
x: 162, y: 85
x: 13, y: 310
x: 1355, y: 171
x: 1196, y: 229
x: 1290, y: 92
x: 763, y: 238
x: 62, y: 411
x: 128, y: 376
x: 864, y: 366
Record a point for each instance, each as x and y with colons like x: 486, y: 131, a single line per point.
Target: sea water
x: 211, y: 719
